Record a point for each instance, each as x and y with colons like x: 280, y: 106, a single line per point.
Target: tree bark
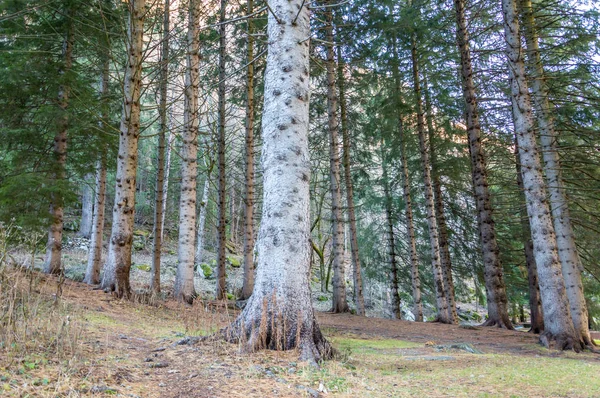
x: 565, y: 237
x: 279, y: 314
x: 87, y: 207
x: 118, y: 265
x: 250, y: 190
x: 184, y: 280
x: 559, y: 331
x: 202, y: 220
x: 160, y: 161
x: 443, y: 314
x: 445, y: 260
x: 497, y: 300
x: 340, y: 303
x: 169, y: 141
x: 53, y: 262
x: 358, y: 284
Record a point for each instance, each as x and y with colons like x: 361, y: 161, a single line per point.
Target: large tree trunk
x: 565, y: 237
x: 118, y: 265
x: 340, y: 303
x: 445, y: 260
x: 202, y: 220
x: 249, y: 196
x: 221, y: 293
x: 393, y: 271
x: 87, y: 207
x: 184, y: 280
x: 160, y: 161
x: 535, y: 300
x: 358, y: 284
x: 443, y: 313
x: 53, y: 263
x: 559, y: 331
x: 279, y: 314
x: 497, y: 300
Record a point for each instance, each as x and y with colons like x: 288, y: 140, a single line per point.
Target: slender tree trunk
x: 393, y: 272
x: 202, y: 220
x: 358, y: 284
x: 118, y: 265
x: 535, y: 300
x: 443, y: 315
x: 53, y: 263
x: 160, y: 166
x: 445, y: 259
x: 559, y: 331
x: 340, y: 303
x: 169, y: 141
x: 279, y: 314
x: 87, y: 207
x: 184, y: 280
x: 222, y: 209
x: 565, y: 237
x: 250, y: 190
x: 494, y: 281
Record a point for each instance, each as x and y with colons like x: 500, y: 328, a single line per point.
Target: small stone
x: 159, y: 365
x: 162, y: 385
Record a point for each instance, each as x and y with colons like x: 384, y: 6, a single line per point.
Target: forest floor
x: 87, y: 343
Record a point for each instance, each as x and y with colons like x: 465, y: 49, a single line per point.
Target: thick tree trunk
x: 358, y: 284
x: 443, y: 314
x: 279, y: 314
x: 535, y: 300
x: 497, y: 300
x: 445, y: 259
x: 87, y: 207
x: 184, y: 280
x: 202, y: 221
x: 559, y: 331
x: 248, y: 285
x: 160, y: 159
x: 53, y: 263
x: 393, y: 271
x: 118, y: 265
x: 221, y: 293
x: 340, y: 303
x: 565, y: 237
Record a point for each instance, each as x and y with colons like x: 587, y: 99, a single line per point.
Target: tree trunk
x: 565, y: 237
x: 396, y: 310
x: 184, y: 280
x: 494, y: 281
x: 53, y: 263
x: 358, y: 284
x: 202, y: 220
x: 340, y: 303
x: 169, y: 140
x: 535, y: 301
x: 250, y: 191
x: 443, y: 314
x: 118, y: 265
x: 160, y: 166
x: 445, y: 260
x: 279, y: 314
x: 87, y: 207
x: 559, y: 331
x: 221, y: 293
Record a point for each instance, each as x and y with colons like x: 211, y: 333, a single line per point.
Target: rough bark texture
x: 535, y: 300
x: 565, y: 237
x: 222, y: 201
x: 279, y: 314
x: 340, y: 303
x: 440, y: 211
x: 52, y: 262
x: 495, y: 288
x: 443, y: 314
x: 357, y: 274
x: 92, y: 273
x: 184, y: 280
x: 202, y: 221
x: 118, y: 265
x: 248, y: 285
x: 87, y: 207
x: 160, y: 158
x: 559, y: 331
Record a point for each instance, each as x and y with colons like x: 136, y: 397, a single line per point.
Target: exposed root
x: 499, y: 323
x: 561, y: 342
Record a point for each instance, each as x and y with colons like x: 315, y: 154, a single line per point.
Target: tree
x: 279, y: 314
x: 87, y: 207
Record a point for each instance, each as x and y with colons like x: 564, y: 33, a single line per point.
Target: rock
x: 158, y: 365
x: 310, y: 391
x: 162, y: 385
x: 102, y: 389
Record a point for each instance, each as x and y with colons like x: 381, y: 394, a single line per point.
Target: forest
x: 223, y: 198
